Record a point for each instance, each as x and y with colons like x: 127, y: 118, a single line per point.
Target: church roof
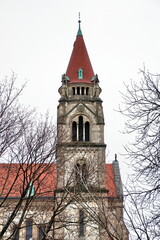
x: 12, y: 179
x: 79, y: 60
x: 15, y: 177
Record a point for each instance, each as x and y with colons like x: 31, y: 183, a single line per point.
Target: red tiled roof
x: 15, y: 177
x: 79, y: 59
x: 110, y: 181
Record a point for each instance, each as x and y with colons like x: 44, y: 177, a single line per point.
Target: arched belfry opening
x: 81, y: 129
x: 74, y: 131
x: 87, y: 131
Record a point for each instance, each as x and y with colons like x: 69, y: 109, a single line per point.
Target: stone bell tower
x: 81, y: 120
x: 81, y: 156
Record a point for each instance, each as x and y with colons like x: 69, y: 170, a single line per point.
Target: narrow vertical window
x: 74, y: 131
x: 84, y: 173
x: 87, y: 90
x: 82, y: 90
x: 87, y: 131
x: 80, y: 73
x: 80, y: 128
x: 81, y: 223
x: 29, y: 230
x: 78, y: 90
x: 78, y: 173
x: 73, y: 89
x: 31, y: 190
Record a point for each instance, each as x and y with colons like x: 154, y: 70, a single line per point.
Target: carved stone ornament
x: 81, y: 108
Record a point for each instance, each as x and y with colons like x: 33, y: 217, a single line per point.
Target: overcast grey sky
x: 36, y: 42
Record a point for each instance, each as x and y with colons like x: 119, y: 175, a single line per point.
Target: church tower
x: 80, y: 118
x: 81, y: 155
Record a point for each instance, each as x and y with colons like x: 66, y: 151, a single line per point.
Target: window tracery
x: 80, y: 130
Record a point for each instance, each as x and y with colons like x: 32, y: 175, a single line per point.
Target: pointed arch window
x: 80, y: 128
x: 87, y: 131
x: 81, y: 173
x: 80, y: 73
x: 74, y: 131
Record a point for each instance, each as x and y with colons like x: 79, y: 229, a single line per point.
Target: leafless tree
x: 27, y: 152
x: 142, y: 109
x: 139, y: 217
x: 28, y: 148
x: 11, y: 114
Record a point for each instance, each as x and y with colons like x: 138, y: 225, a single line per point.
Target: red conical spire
x: 79, y: 67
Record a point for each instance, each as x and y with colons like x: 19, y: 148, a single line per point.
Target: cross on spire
x: 79, y: 30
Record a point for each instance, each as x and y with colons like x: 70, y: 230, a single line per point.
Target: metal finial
x: 115, y: 157
x: 79, y: 17
x: 79, y: 30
